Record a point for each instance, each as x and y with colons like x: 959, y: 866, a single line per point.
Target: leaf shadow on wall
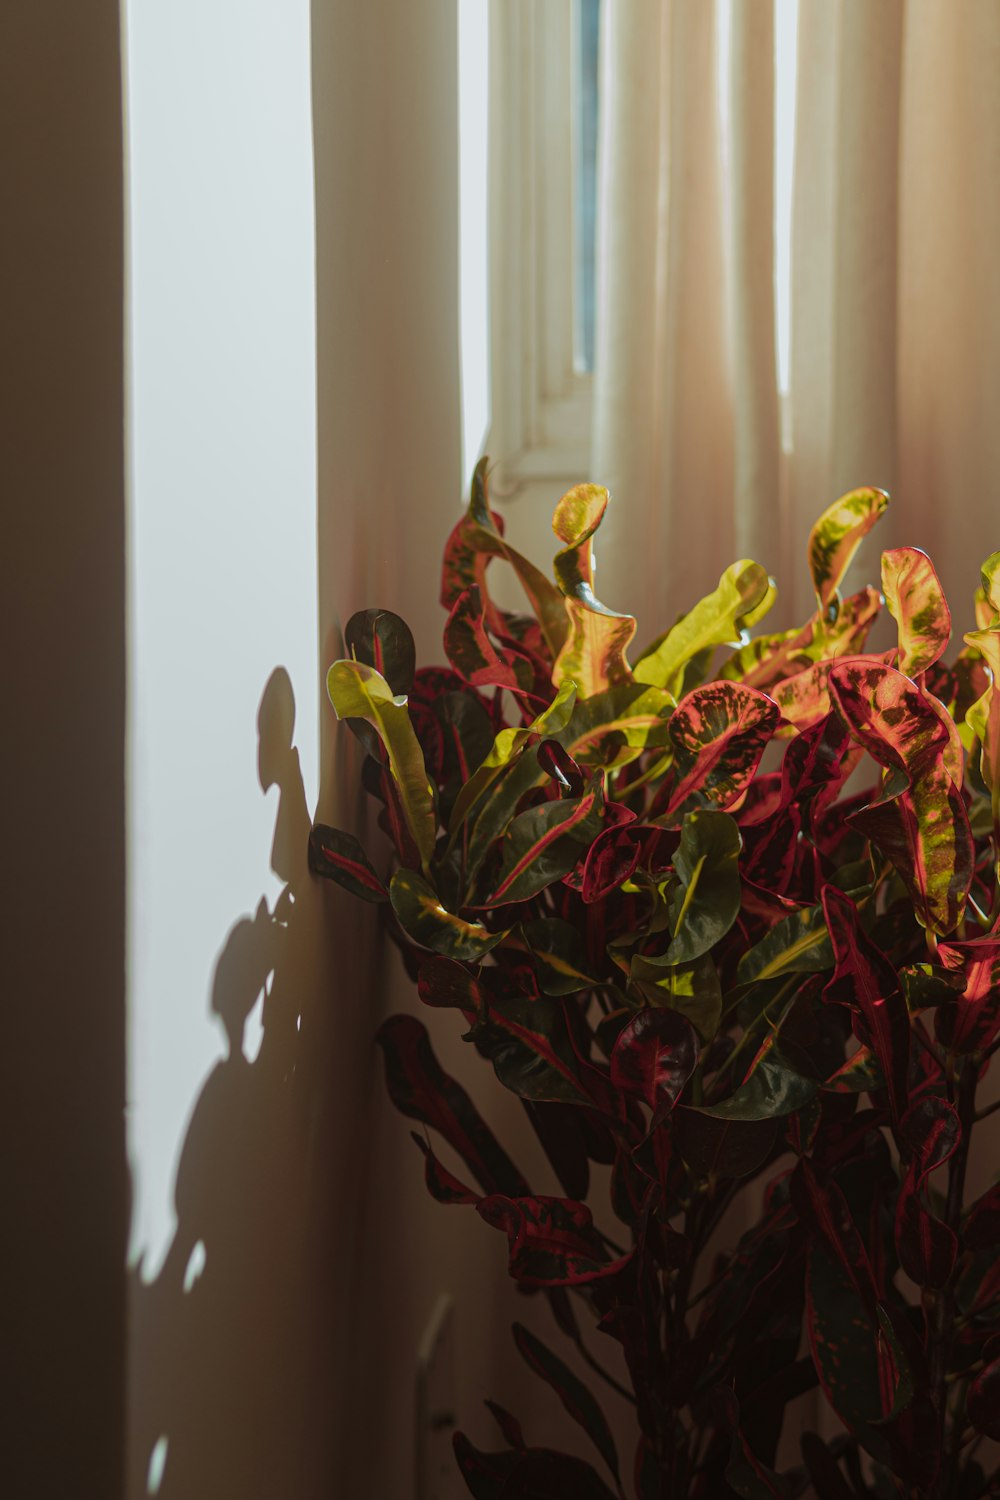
x: 232, y: 1345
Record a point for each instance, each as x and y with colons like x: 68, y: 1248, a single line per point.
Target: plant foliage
x: 705, y: 974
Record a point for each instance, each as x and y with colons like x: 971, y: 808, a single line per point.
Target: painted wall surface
x: 228, y: 988
x: 61, y: 437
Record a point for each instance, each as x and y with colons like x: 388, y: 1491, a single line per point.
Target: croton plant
x: 725, y: 980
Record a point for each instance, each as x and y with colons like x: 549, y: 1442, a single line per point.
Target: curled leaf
x: 475, y: 540
x: 593, y: 654
x: 552, y: 1241
x: 836, y: 537
x: 474, y: 656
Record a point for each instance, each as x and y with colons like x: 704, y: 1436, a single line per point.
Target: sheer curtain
x: 895, y: 302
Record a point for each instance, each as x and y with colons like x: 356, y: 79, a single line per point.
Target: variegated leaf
x: 916, y: 602
x: 358, y: 691
x: 718, y: 732
x: 544, y: 843
x: 425, y: 920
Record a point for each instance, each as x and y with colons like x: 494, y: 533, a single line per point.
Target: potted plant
x: 705, y: 974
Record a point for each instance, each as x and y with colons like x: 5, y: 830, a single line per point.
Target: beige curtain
x: 895, y: 348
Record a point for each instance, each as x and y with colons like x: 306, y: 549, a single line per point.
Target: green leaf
x: 358, y: 691
x: 614, y: 727
x: 706, y: 901
x: 836, y: 537
x: 474, y: 542
x: 860, y: 1074
x: 693, y: 989
x: 507, y: 746
x: 799, y: 943
x: 744, y: 594
x: 495, y: 810
x: 905, y: 1387
x: 916, y: 602
x: 593, y: 654
x: 771, y: 1089
x: 557, y: 948
x: 990, y: 574
x: 722, y: 1148
x: 425, y: 920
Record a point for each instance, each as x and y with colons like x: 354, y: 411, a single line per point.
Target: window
x: 542, y: 174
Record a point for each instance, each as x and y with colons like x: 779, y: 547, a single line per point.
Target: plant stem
x: 944, y: 1320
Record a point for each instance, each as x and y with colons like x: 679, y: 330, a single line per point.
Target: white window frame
x: 540, y: 401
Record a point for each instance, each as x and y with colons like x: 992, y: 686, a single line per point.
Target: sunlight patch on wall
x: 222, y: 519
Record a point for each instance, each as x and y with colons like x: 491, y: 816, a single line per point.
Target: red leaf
x: 551, y: 1241
x: 865, y: 979
x: 654, y: 1057
x: 611, y: 860
x: 927, y: 1247
x: 970, y: 1022
x: 421, y: 1090
x: 823, y: 1208
x: 474, y: 656
x: 442, y: 1184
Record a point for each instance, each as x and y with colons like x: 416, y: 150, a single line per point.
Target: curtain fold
x: 661, y: 359
x: 895, y: 303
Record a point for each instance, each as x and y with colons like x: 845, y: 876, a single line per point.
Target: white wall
x: 222, y: 582
x: 222, y: 517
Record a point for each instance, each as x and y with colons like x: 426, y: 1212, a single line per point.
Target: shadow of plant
x: 233, y: 1344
